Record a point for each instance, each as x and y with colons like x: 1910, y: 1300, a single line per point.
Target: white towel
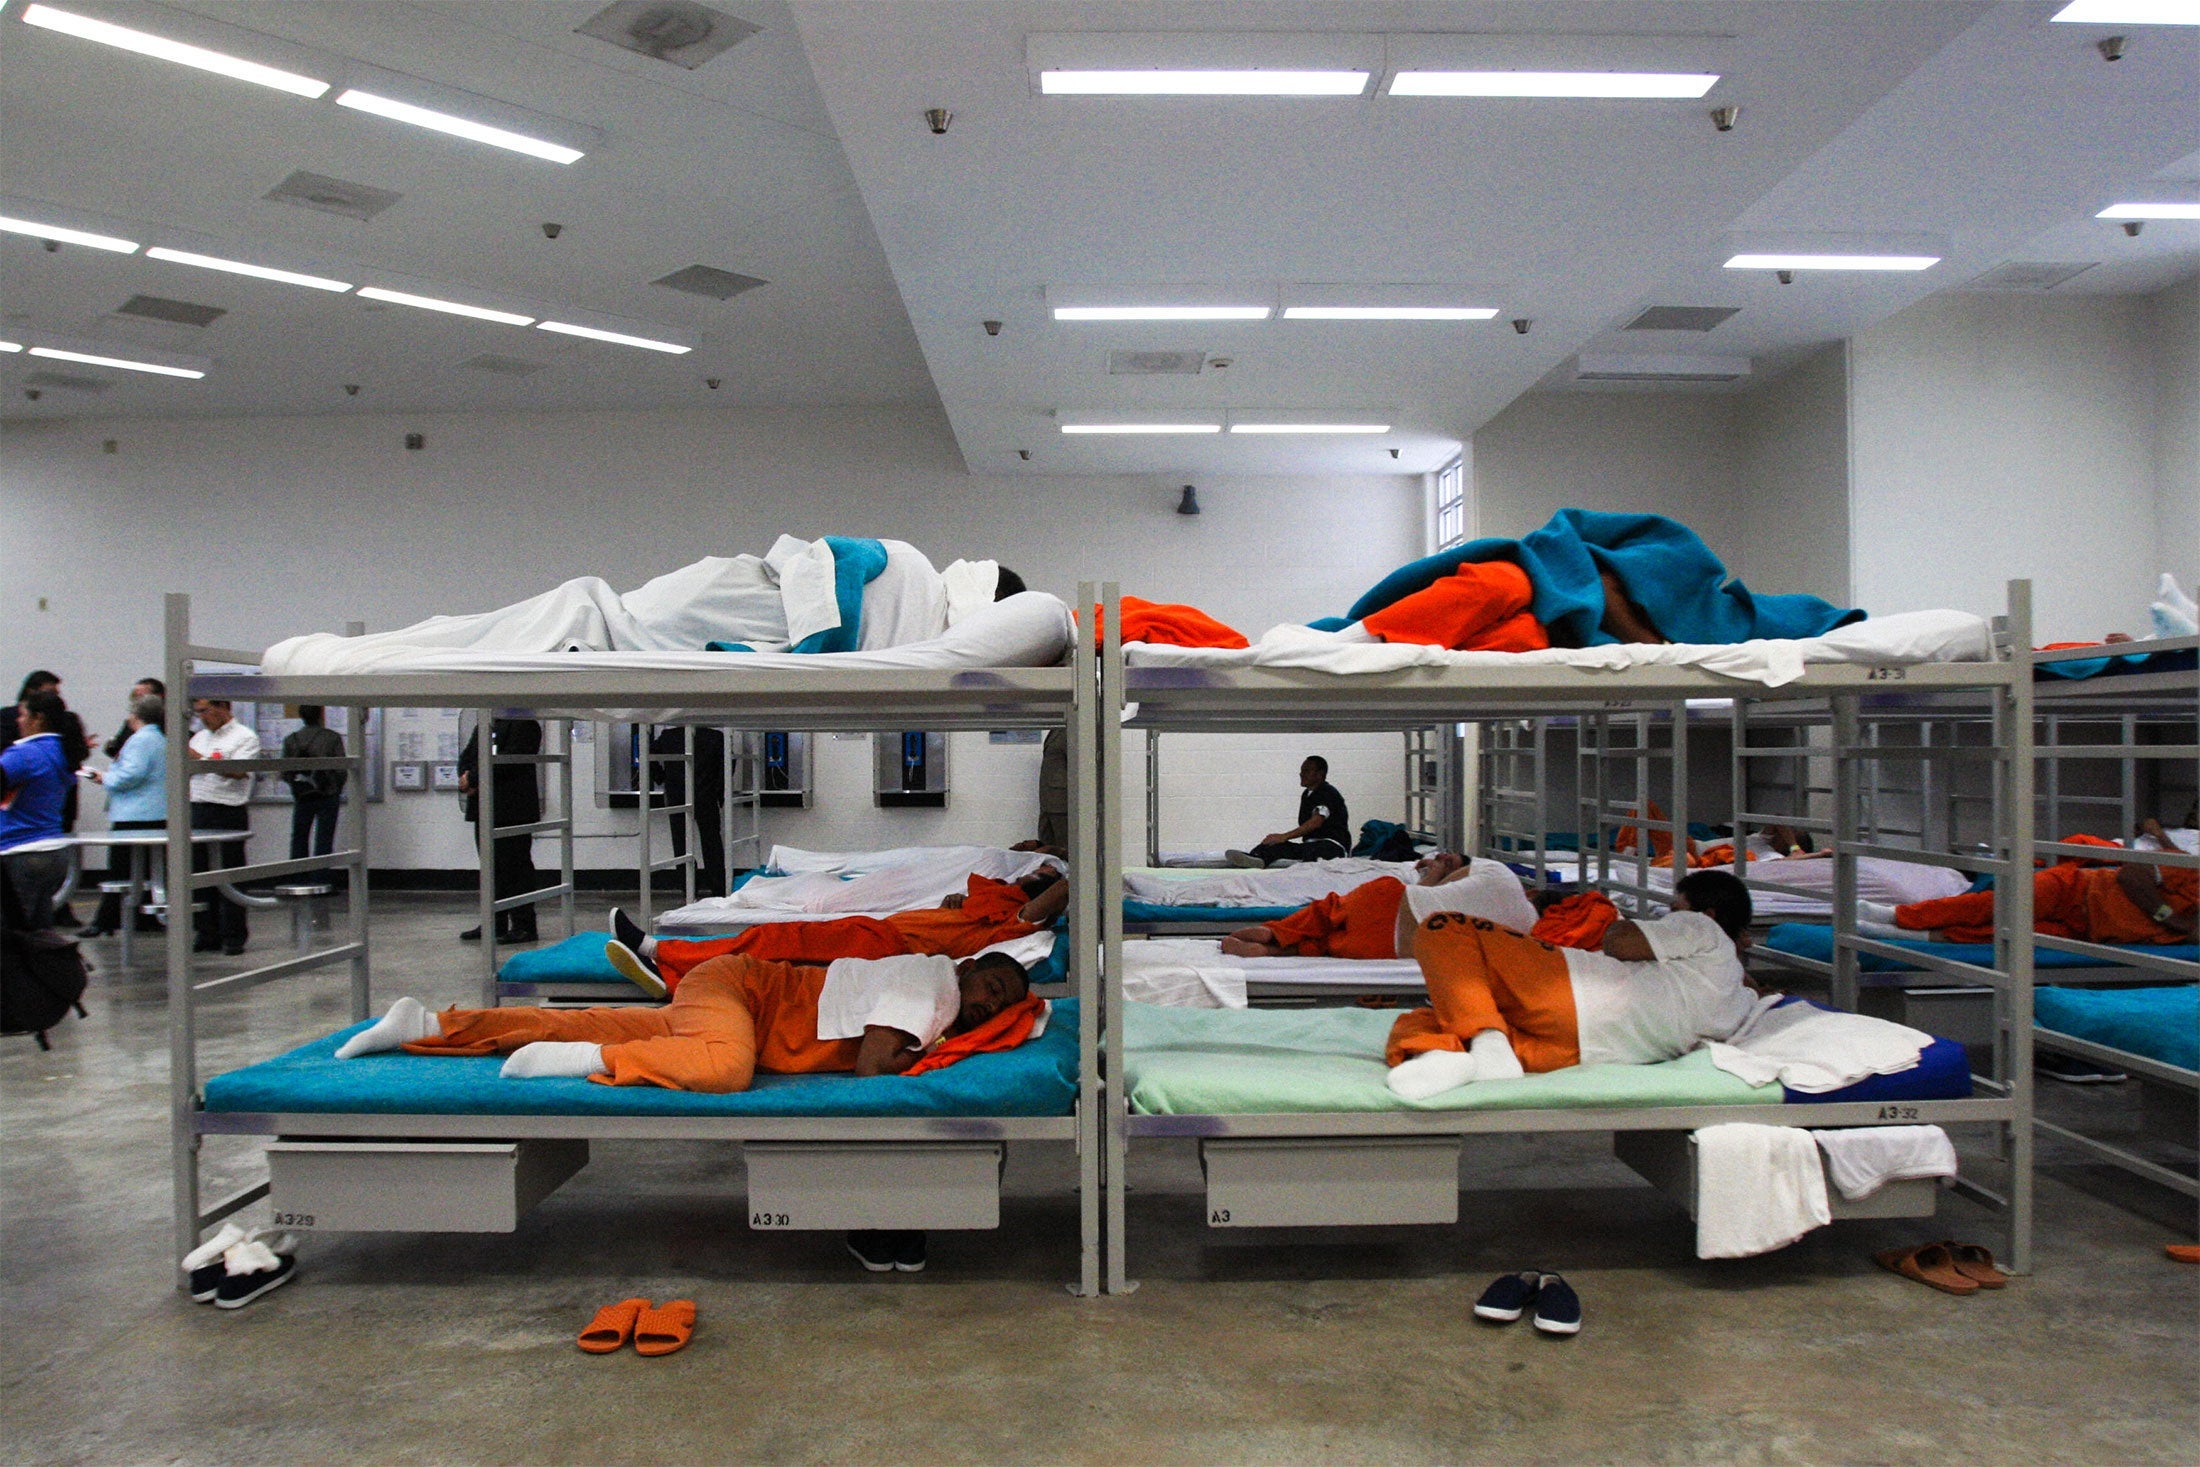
x: 1866, y: 1158
x: 806, y: 585
x: 1757, y: 1188
x: 1813, y: 1050
x: 970, y: 584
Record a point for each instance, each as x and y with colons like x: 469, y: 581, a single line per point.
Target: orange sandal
x: 612, y: 1327
x: 1977, y: 1264
x: 667, y: 1328
x: 1932, y: 1265
x: 2183, y: 1252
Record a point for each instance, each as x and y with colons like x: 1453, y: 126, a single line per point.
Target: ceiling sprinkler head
x: 2132, y: 227
x: 1394, y: 453
x: 53, y: 246
x: 1785, y: 277
x: 351, y: 389
x: 1024, y: 454
x: 1722, y: 118
x: 1522, y: 323
x: 992, y: 328
x: 938, y: 119
x: 552, y: 231
x: 32, y: 393
x: 2110, y: 47
x: 712, y: 383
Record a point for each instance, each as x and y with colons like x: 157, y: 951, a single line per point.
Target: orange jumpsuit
x: 1360, y: 923
x: 1581, y: 920
x: 2084, y: 903
x: 732, y: 1017
x: 988, y: 915
x: 1483, y: 976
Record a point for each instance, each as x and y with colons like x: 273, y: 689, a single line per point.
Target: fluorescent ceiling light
x: 2150, y: 211
x: 1832, y: 262
x: 1141, y: 427
x: 239, y: 267
x: 2131, y: 12
x: 495, y: 137
x: 77, y: 356
x: 1310, y: 427
x: 1150, y: 82
x: 453, y: 308
x: 1389, y: 313
x: 566, y: 329
x: 11, y: 346
x: 67, y: 236
x: 1637, y: 84
x: 85, y: 28
x: 1161, y: 313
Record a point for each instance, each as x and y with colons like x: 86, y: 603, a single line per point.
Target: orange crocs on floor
x: 612, y: 1327
x: 667, y: 1328
x: 2183, y: 1252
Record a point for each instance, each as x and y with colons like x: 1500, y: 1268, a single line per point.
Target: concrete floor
x: 1346, y: 1346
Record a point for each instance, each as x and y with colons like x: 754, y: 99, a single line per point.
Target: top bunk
x: 2158, y: 675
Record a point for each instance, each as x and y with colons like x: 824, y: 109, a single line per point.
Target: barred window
x: 1451, y: 505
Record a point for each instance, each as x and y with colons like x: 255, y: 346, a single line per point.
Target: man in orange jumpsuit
x: 1369, y: 920
x: 2127, y: 903
x: 988, y: 912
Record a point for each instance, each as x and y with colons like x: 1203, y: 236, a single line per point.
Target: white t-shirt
x: 916, y: 995
x: 234, y: 741
x: 1642, y: 1013
x: 1488, y: 890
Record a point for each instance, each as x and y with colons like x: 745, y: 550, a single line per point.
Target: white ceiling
x: 886, y: 246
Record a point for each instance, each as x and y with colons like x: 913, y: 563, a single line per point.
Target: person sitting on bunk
x: 987, y: 913
x: 1366, y: 921
x: 2123, y: 902
x: 1324, y: 831
x: 1503, y: 1005
x: 737, y: 1015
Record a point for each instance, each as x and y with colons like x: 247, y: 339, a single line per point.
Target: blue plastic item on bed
x: 2157, y: 1023
x: 580, y: 959
x: 1942, y: 1072
x: 1038, y: 1078
x: 1135, y: 911
x: 1808, y: 940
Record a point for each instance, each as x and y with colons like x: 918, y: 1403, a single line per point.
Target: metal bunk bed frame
x: 767, y: 698
x: 1267, y: 699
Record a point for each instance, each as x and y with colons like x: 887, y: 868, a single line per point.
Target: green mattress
x: 1248, y: 1061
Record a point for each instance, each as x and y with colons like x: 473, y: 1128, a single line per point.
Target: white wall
x: 2001, y: 436
x: 283, y: 525
x: 2173, y: 329
x: 1794, y: 444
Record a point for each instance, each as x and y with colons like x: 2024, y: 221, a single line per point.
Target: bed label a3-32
x: 1898, y: 1113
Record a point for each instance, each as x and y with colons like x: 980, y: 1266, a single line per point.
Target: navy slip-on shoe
x: 1557, y: 1307
x: 627, y: 930
x: 909, y: 1251
x: 1508, y: 1298
x: 873, y: 1249
x: 238, y: 1290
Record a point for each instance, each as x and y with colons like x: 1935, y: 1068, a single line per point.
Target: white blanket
x: 1194, y: 973
x: 1909, y: 637
x: 1877, y: 880
x: 1869, y: 1157
x: 1286, y: 886
x: 1814, y: 1050
x: 1757, y: 1188
x: 917, y: 877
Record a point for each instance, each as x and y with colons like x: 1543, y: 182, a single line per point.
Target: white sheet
x: 1877, y: 880
x: 1863, y: 1160
x: 1286, y: 886
x: 916, y: 877
x: 1909, y: 637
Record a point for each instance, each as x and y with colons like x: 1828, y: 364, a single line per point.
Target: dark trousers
x: 110, y: 915
x: 313, y: 829
x: 514, y: 873
x: 710, y: 834
x: 215, y: 917
x: 34, y: 877
x: 1300, y: 850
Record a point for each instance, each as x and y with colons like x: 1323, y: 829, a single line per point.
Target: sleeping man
x: 1502, y: 1005
x: 1367, y: 921
x: 2125, y: 902
x: 737, y: 1015
x: 987, y: 913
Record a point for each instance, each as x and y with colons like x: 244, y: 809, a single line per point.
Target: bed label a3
x: 1886, y: 674
x: 1898, y: 1113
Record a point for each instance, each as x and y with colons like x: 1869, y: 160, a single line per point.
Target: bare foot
x: 1238, y: 947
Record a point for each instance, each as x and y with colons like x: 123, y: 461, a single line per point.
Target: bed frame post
x: 356, y: 875
x: 645, y: 904
x: 1153, y: 796
x: 2013, y: 918
x: 1846, y: 758
x: 1081, y: 731
x: 565, y: 825
x: 1679, y: 813
x: 1109, y: 896
x: 183, y: 1077
x: 485, y: 832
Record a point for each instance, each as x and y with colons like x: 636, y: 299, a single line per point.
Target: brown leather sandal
x: 1931, y: 1265
x: 1976, y: 1264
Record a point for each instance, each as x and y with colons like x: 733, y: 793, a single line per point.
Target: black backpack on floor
x: 42, y: 977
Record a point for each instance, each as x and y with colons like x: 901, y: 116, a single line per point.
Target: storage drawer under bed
x: 1667, y: 1160
x: 1294, y: 1181
x: 415, y: 1186
x: 842, y: 1185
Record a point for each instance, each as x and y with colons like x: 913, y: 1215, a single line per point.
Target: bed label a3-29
x: 293, y: 1219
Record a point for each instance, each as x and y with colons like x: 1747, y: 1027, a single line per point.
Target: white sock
x: 229, y: 1237
x: 1431, y: 1073
x: 1885, y: 931
x: 250, y: 1257
x: 552, y: 1059
x: 407, y: 1020
x: 1877, y: 912
x: 648, y: 948
x: 1493, y: 1056
x: 2173, y: 611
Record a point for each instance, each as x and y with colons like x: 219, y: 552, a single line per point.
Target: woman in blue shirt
x: 137, y: 798
x: 34, y: 786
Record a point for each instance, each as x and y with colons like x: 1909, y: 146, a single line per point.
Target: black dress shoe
x: 233, y: 949
x: 471, y: 934
x: 207, y: 945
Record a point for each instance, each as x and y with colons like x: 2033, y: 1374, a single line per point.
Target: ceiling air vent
x: 1649, y: 368
x: 67, y: 382
x: 678, y: 31
x: 2028, y: 275
x: 719, y: 285
x: 489, y: 361
x: 1156, y: 363
x: 332, y: 196
x: 1680, y: 318
x: 181, y: 313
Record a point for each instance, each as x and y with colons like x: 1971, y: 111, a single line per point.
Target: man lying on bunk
x: 1502, y: 1004
x: 989, y: 912
x: 1366, y: 922
x: 2125, y: 902
x: 737, y: 1015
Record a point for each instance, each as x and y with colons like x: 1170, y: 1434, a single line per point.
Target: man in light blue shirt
x: 137, y: 798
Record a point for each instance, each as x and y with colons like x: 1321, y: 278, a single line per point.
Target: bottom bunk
x: 2153, y: 1036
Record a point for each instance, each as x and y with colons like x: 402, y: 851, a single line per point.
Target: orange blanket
x: 1170, y: 624
x: 1579, y: 921
x: 1005, y: 1030
x: 1482, y: 607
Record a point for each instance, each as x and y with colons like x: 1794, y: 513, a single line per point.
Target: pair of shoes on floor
x: 1557, y: 1307
x: 655, y: 1329
x: 1949, y: 1266
x: 899, y: 1250
x: 234, y: 1267
x: 2183, y: 1252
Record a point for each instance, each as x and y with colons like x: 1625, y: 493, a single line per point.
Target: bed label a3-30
x: 771, y: 1220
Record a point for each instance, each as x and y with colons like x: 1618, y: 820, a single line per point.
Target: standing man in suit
x: 518, y: 802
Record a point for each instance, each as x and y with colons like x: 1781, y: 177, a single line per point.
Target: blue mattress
x: 580, y: 959
x: 2158, y: 1023
x: 2121, y: 665
x: 1809, y: 940
x: 1034, y: 1079
x: 1942, y: 1072
x: 1136, y: 911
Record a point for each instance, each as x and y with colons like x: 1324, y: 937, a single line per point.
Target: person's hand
x: 1276, y: 838
x: 2153, y: 827
x: 466, y: 783
x: 92, y: 775
x: 954, y: 902
x: 2115, y: 638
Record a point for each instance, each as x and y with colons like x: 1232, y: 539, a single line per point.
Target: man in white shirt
x: 1503, y: 1005
x: 220, y: 801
